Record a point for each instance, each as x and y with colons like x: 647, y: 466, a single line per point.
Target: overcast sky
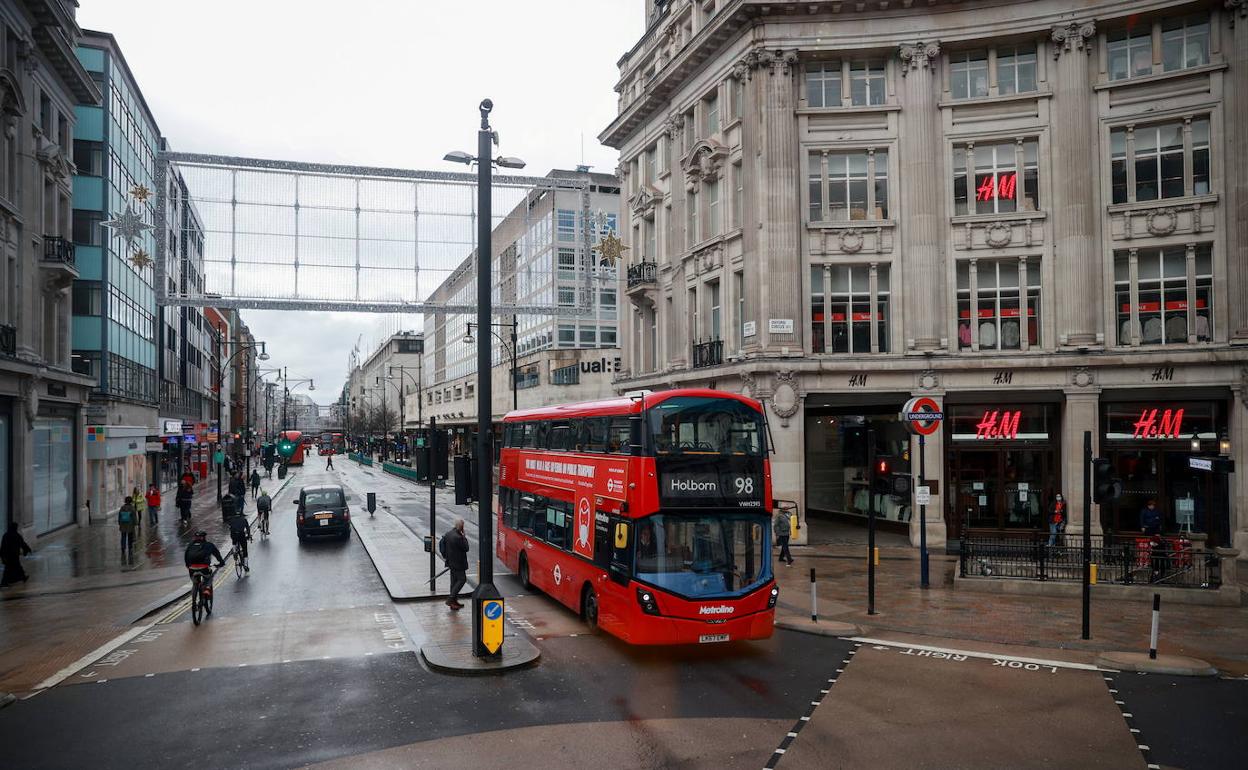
x: 374, y: 83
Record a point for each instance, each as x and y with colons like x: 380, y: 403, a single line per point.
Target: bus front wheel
x: 524, y: 573
x: 589, y: 609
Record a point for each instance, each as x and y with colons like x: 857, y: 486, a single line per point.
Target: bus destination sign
x: 694, y: 488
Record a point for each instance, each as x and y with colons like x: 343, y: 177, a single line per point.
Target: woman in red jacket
x: 153, y: 502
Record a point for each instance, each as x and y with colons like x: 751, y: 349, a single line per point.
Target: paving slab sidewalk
x: 1218, y: 635
x: 400, y: 558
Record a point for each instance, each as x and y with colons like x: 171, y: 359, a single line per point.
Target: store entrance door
x: 1181, y: 493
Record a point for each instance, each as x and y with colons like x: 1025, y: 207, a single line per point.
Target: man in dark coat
x: 12, y: 548
x: 454, y: 548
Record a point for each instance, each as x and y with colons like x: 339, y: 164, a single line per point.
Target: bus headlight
x: 775, y: 594
x: 646, y: 599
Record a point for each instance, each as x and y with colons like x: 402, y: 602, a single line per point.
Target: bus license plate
x: 711, y: 638
x: 324, y: 522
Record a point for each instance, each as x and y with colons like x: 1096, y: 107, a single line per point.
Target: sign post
x: 922, y: 416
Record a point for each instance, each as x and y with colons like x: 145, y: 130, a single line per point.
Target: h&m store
x: 1012, y: 439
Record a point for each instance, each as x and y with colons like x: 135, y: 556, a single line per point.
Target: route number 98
x: 744, y: 485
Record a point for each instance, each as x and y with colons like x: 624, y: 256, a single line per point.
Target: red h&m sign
x: 1169, y: 424
x: 1002, y: 186
x: 997, y: 424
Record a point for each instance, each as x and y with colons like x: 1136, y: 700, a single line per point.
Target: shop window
x: 841, y: 309
x: 994, y: 186
x: 1174, y: 290
x: 1184, y: 43
x: 1156, y: 156
x: 991, y: 298
x: 837, y: 461
x: 848, y: 186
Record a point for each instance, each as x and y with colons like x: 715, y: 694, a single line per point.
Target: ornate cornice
x: 918, y: 55
x: 673, y: 126
x: 1075, y: 36
x: 1236, y: 8
x: 704, y: 162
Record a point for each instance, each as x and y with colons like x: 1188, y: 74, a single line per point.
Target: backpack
x: 442, y: 547
x: 125, y: 516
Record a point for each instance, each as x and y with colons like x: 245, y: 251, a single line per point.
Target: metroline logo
x: 715, y: 609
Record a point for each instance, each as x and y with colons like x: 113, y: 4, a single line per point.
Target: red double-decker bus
x: 297, y: 438
x: 649, y: 515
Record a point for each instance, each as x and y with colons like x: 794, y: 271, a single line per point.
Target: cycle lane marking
x: 803, y: 720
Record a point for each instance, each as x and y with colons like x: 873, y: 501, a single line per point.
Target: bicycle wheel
x: 197, y: 610
x: 208, y: 599
x: 238, y: 562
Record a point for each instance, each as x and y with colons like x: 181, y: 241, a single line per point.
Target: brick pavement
x: 1216, y: 634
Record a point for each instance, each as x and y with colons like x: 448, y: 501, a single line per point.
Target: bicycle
x: 240, y: 562
x: 201, y: 591
x: 263, y: 523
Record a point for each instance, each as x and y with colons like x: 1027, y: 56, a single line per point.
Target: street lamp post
x: 402, y: 407
x: 486, y: 592
x: 418, y: 379
x: 515, y: 395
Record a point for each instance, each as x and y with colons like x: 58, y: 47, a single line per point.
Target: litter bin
x: 281, y: 471
x: 228, y: 506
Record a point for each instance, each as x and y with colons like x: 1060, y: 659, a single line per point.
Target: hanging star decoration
x: 611, y: 248
x: 140, y: 193
x: 140, y: 259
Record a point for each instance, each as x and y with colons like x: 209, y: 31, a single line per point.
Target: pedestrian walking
x: 12, y: 548
x: 140, y: 505
x: 255, y: 482
x: 782, y: 527
x: 128, y: 523
x: 1150, y: 518
x: 454, y: 551
x: 183, y: 499
x: 238, y: 488
x: 153, y: 503
x: 1057, y: 518
x: 329, y: 461
x: 188, y: 479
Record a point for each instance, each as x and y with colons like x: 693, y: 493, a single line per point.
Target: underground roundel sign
x: 922, y: 415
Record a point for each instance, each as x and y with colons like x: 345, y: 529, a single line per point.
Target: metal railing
x: 57, y: 249
x: 642, y: 272
x: 1121, y: 560
x: 8, y: 340
x: 709, y: 353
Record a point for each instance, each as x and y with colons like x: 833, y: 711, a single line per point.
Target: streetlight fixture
x: 486, y: 591
x: 221, y: 367
x: 512, y: 351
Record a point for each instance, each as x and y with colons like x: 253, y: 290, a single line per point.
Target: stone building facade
x: 1036, y: 213
x: 42, y: 400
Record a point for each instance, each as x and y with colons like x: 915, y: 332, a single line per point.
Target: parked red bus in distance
x: 331, y: 444
x: 648, y: 515
x: 296, y: 437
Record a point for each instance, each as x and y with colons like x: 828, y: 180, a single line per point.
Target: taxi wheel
x: 589, y: 609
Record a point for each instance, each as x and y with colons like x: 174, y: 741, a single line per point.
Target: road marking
x: 791, y: 735
x: 89, y: 658
x: 983, y: 655
x: 194, y: 669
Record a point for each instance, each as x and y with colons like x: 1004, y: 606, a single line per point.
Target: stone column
x: 1236, y: 155
x: 1082, y: 413
x: 923, y: 230
x: 1237, y: 483
x: 743, y: 71
x: 780, y: 255
x: 677, y: 347
x: 1075, y: 205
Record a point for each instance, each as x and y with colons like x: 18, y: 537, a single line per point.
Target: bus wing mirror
x: 621, y: 535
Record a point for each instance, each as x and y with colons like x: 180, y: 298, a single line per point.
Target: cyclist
x: 264, y: 504
x: 199, y: 555
x: 240, y: 533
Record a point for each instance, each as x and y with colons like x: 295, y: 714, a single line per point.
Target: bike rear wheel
x: 238, y: 562
x: 208, y: 599
x: 197, y: 610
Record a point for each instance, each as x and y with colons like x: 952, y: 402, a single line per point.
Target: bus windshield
x: 702, y: 425
x: 703, y: 556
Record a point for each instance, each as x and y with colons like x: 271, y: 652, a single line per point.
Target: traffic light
x: 882, y: 480
x: 285, y: 447
x: 1106, y: 486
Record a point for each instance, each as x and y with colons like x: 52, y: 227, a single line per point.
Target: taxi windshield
x: 706, y: 425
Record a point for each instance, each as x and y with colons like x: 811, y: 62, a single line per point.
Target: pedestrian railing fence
x: 361, y: 459
x: 1121, y: 560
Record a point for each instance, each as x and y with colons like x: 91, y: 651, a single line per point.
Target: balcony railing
x: 8, y: 340
x: 56, y: 249
x: 709, y: 353
x: 642, y: 273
